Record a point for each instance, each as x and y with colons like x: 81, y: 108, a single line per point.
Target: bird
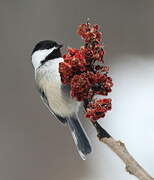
x: 46, y: 57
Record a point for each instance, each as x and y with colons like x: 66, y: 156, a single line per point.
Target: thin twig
x: 119, y: 148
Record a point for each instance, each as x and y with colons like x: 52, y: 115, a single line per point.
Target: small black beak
x: 59, y: 46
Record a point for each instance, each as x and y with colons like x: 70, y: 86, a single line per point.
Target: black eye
x: 48, y: 46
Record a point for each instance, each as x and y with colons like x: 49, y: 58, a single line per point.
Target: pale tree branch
x: 119, y: 148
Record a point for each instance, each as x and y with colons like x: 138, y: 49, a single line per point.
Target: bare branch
x: 119, y: 148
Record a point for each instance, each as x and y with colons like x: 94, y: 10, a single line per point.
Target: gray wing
x: 45, y: 100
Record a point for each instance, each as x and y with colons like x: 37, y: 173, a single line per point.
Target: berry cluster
x: 81, y: 69
x: 97, y: 108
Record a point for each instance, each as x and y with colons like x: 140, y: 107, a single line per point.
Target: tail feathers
x: 80, y: 138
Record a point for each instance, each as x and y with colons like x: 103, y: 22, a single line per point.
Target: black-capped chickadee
x: 46, y: 57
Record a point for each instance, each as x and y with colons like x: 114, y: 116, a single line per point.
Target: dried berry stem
x: 132, y: 166
x: 87, y: 79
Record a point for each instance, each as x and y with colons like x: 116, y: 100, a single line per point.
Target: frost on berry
x: 97, y: 109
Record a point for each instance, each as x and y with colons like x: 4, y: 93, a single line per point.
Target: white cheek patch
x: 39, y: 56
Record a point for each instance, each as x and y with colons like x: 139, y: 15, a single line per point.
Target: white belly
x: 59, y: 103
x: 48, y: 79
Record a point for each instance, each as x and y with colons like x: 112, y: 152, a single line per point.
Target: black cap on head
x: 46, y: 44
